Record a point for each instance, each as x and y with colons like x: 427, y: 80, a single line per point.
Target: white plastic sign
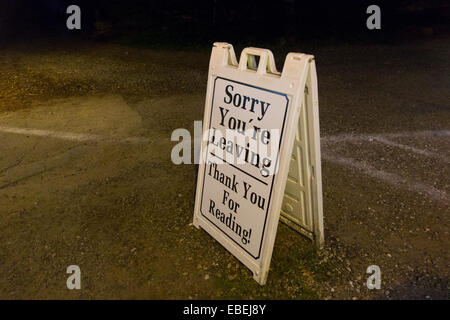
x: 254, y: 130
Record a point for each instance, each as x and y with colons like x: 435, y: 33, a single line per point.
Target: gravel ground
x: 122, y: 211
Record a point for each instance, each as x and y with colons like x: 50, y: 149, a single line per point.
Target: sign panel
x: 251, y: 119
x: 239, y: 176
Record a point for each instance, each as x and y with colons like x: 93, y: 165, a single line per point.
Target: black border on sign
x: 276, y: 162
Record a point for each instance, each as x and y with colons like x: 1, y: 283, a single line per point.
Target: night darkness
x: 200, y: 22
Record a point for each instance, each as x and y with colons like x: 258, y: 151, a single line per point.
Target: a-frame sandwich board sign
x: 260, y: 154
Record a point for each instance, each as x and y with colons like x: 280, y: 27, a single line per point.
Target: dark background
x: 193, y: 23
